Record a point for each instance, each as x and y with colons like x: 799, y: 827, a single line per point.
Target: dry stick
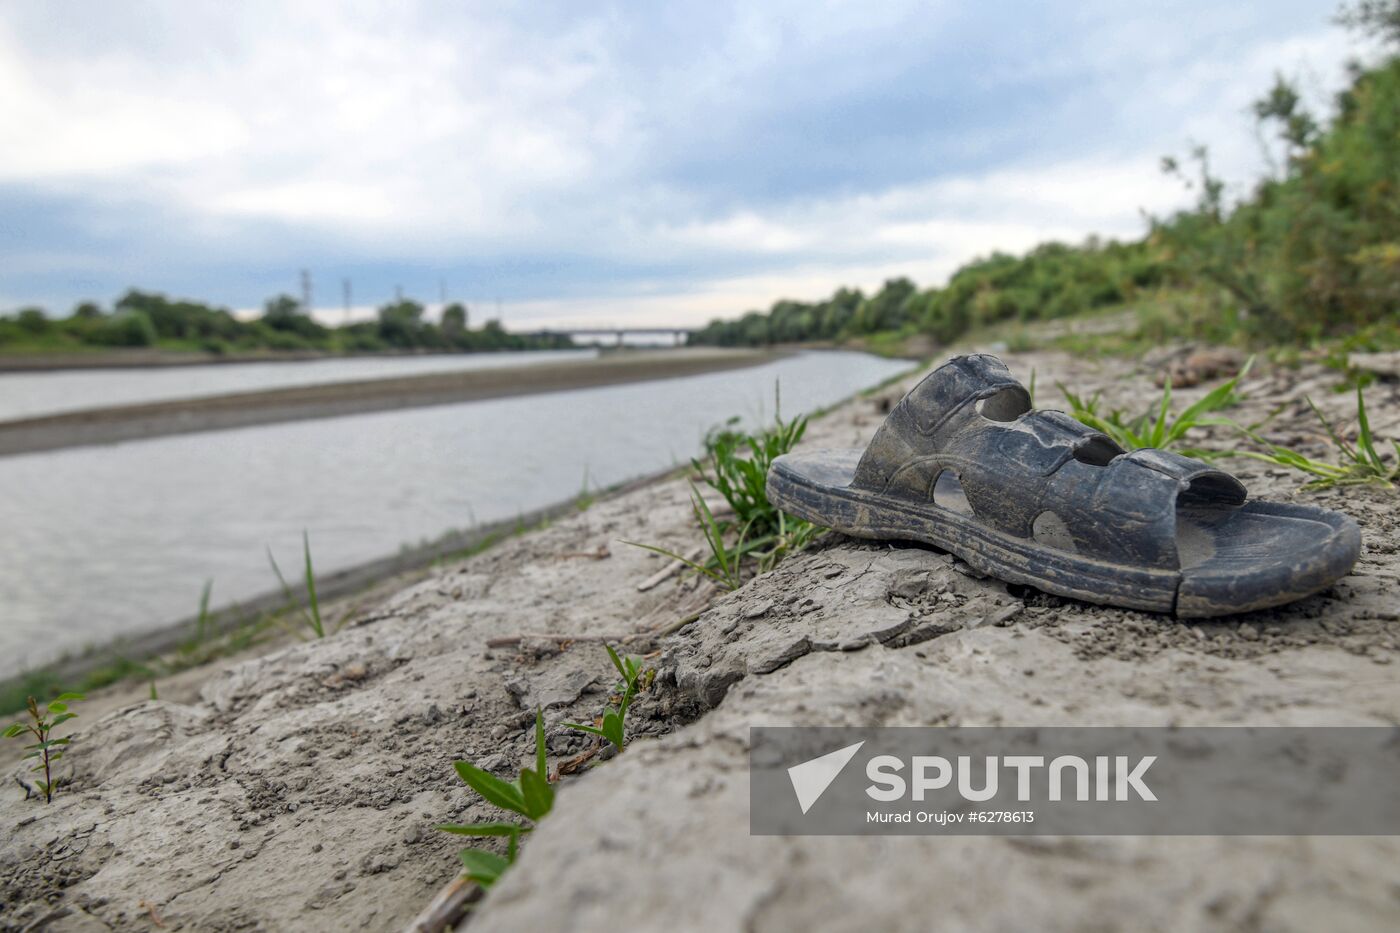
x: 447, y: 907
x: 667, y: 572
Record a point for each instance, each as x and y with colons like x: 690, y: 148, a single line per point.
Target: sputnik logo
x: 811, y: 778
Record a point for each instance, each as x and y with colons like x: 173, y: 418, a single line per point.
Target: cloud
x: 618, y: 160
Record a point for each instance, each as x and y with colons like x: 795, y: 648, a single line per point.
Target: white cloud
x: 395, y: 132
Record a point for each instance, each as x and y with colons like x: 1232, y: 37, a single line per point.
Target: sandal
x: 1034, y: 497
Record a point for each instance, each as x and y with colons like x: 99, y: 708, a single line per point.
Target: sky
x: 605, y: 164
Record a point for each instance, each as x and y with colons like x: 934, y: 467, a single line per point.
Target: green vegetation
x: 612, y: 724
x: 736, y: 466
x: 311, y: 615
x: 148, y: 319
x: 1360, y: 464
x: 44, y: 748
x: 530, y: 795
x: 1311, y: 254
x: 1158, y: 427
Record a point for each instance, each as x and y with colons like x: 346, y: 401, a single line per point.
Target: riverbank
x: 39, y: 361
x: 300, y: 789
x: 297, y: 403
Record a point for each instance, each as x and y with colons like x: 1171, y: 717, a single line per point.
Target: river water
x: 27, y: 395
x: 98, y: 542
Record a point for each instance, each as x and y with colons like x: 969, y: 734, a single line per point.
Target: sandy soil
x: 298, y: 403
x: 298, y: 790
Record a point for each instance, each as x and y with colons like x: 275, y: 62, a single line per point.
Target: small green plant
x: 612, y: 724
x: 40, y: 727
x: 586, y: 495
x: 312, y: 614
x: 736, y: 466
x: 529, y: 795
x: 1158, y: 427
x: 1360, y: 464
x: 723, y: 566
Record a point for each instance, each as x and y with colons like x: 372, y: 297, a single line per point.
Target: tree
x: 284, y: 313
x: 454, y: 319
x: 401, y: 323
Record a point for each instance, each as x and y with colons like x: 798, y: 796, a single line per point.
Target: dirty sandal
x: 1035, y: 497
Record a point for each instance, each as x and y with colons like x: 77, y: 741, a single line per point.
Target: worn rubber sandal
x: 1035, y: 497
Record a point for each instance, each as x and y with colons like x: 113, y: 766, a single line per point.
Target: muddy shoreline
x: 298, y: 403
x: 299, y: 788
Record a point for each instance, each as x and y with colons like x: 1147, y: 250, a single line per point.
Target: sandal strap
x: 1025, y: 471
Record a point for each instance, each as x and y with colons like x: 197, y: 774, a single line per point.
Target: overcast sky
x: 603, y: 163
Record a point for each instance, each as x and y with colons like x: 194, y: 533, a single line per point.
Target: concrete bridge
x: 677, y: 334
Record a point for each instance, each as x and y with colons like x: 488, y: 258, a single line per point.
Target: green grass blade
x: 286, y: 589
x: 1364, y: 440
x: 698, y: 568
x: 591, y: 730
x: 315, y: 604
x: 541, y: 758
x: 495, y: 790
x: 536, y: 794
x: 483, y: 867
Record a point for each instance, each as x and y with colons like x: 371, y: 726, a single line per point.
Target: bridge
x: 677, y: 334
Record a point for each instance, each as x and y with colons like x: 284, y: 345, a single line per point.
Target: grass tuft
x: 1158, y: 427
x: 1358, y: 464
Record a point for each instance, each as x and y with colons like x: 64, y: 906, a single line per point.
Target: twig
x: 571, y: 765
x: 679, y: 624
x: 667, y: 572
x: 447, y: 907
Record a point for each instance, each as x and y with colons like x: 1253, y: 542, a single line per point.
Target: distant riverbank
x: 298, y: 403
x: 148, y: 358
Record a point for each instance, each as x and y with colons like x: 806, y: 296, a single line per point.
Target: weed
x: 1360, y: 464
x: 723, y: 566
x: 39, y: 727
x: 529, y: 795
x: 586, y: 496
x: 612, y: 725
x: 312, y: 615
x: 736, y: 465
x: 1158, y: 427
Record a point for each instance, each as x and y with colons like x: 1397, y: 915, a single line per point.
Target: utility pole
x: 398, y: 294
x: 305, y: 291
x: 345, y: 287
x: 442, y: 292
x: 500, y: 315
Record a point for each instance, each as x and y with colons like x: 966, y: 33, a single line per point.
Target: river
x: 30, y: 394
x: 100, y: 542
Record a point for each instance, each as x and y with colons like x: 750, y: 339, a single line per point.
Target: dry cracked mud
x: 299, y: 790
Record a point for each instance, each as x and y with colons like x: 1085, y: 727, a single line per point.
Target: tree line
x: 149, y: 319
x: 1312, y: 250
